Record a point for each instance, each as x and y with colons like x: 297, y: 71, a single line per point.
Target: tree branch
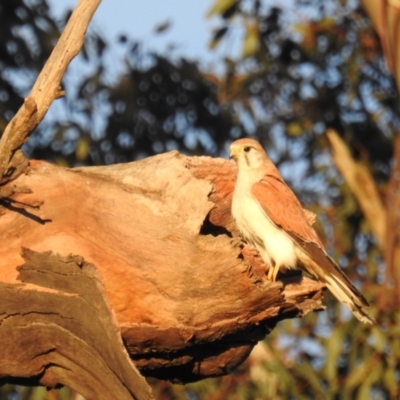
x: 45, y: 90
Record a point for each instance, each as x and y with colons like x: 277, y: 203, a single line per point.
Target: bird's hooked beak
x: 234, y: 152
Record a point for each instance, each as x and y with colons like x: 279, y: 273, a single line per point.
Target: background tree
x: 296, y: 78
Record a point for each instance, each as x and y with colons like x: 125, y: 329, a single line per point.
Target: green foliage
x: 299, y: 73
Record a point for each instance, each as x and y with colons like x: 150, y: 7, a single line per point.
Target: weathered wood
x: 189, y: 299
x: 46, y: 89
x: 57, y: 328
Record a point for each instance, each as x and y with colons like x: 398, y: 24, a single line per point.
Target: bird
x: 270, y: 217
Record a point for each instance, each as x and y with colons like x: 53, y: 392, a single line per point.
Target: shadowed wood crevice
x: 189, y: 305
x: 57, y: 329
x: 217, y: 350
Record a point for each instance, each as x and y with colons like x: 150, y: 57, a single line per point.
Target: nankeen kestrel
x: 270, y: 217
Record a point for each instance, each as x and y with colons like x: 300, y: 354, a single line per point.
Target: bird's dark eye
x: 247, y: 149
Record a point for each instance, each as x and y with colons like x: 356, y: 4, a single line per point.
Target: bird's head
x: 248, y: 154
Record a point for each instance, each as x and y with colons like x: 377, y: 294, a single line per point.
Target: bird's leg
x: 275, y: 273
x: 272, y: 271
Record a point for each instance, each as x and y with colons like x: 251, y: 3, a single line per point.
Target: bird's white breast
x: 273, y: 243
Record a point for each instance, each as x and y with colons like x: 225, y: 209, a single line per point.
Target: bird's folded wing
x: 284, y: 209
x: 326, y: 267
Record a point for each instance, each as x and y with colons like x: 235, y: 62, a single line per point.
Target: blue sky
x: 190, y: 32
x: 190, y: 29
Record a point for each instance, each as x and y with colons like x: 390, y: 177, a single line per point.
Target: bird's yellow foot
x: 273, y: 272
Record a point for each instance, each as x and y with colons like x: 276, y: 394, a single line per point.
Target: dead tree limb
x: 57, y: 328
x: 190, y: 301
x: 46, y: 89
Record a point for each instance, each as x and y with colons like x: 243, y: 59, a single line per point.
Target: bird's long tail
x: 326, y: 270
x: 350, y: 297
